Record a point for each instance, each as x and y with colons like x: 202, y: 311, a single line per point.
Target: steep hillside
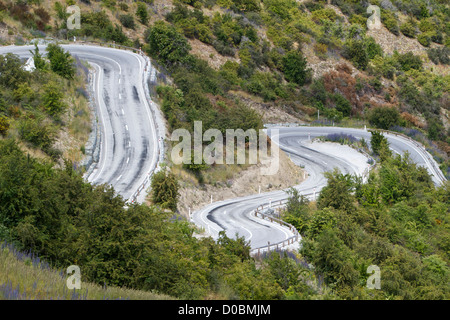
x: 256, y: 51
x: 233, y: 64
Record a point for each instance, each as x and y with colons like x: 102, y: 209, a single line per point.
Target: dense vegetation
x: 67, y: 221
x: 32, y: 103
x: 265, y: 42
x: 397, y: 221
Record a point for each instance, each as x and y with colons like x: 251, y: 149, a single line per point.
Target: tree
x: 356, y: 51
x: 238, y: 247
x: 11, y: 72
x: 338, y: 192
x: 331, y: 257
x: 127, y: 21
x: 165, y: 186
x: 142, y: 12
x: 52, y: 99
x: 408, y: 29
x: 408, y: 61
x: 384, y: 117
x: 380, y: 145
x: 4, y: 125
x: 61, y: 62
x: 295, y: 68
x: 167, y: 44
x: 39, y: 61
x: 342, y: 104
x: 297, y: 209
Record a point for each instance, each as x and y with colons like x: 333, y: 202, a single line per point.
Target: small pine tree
x: 165, y: 187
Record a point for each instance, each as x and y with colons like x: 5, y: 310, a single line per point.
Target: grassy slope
x: 24, y: 277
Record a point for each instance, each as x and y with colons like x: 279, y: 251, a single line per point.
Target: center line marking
x: 120, y: 96
x: 128, y: 159
x: 123, y: 112
x: 119, y: 178
x: 126, y: 127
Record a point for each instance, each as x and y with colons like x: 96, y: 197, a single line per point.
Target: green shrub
x: 425, y: 38
x: 390, y: 22
x: 408, y: 29
x: 356, y: 51
x: 127, y: 21
x: 52, y: 99
x: 142, y: 13
x: 61, y: 62
x: 384, y: 117
x: 37, y: 132
x: 295, y: 68
x: 167, y: 44
x: 408, y: 61
x: 439, y: 55
x: 165, y: 186
x: 4, y: 125
x: 342, y: 104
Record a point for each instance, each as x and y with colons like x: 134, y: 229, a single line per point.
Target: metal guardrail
x: 280, y: 244
x: 281, y: 203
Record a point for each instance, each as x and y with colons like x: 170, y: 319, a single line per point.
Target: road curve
x: 130, y: 146
x: 234, y: 215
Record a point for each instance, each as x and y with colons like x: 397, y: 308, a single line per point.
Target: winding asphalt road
x: 234, y: 216
x: 130, y: 145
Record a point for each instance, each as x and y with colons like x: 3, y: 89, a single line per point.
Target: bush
x: 127, y: 21
x: 11, y: 72
x: 373, y: 49
x: 379, y: 144
x: 384, y: 117
x: 408, y: 61
x: 37, y: 132
x: 390, y: 22
x: 142, y: 13
x: 164, y: 186
x: 356, y: 51
x: 425, y: 38
x: 167, y: 44
x: 61, y: 62
x: 439, y: 55
x: 52, y: 100
x: 408, y: 29
x: 4, y: 125
x: 342, y: 104
x: 295, y: 68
